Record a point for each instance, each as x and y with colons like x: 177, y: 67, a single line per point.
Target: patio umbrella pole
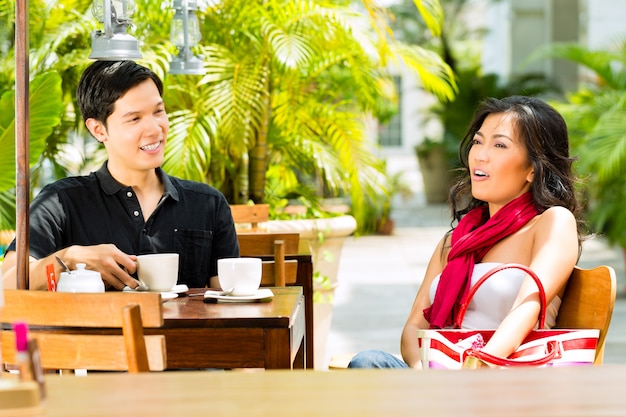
x: 22, y: 143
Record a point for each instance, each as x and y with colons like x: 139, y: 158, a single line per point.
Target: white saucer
x: 179, y: 288
x: 168, y: 295
x: 261, y: 294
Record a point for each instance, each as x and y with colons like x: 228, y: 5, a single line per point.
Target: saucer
x: 168, y: 295
x: 176, y: 289
x: 179, y: 289
x: 211, y: 296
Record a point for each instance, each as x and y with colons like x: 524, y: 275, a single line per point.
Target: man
x: 129, y: 206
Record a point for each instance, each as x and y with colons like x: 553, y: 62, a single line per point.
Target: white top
x: 495, y: 297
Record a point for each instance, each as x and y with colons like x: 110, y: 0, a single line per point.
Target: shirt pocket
x: 194, y: 247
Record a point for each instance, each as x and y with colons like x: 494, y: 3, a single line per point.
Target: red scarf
x: 474, y: 236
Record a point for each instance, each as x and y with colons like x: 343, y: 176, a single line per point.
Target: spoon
x: 219, y: 294
x: 227, y: 292
x: 141, y: 286
x: 63, y: 265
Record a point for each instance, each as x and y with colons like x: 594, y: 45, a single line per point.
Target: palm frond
x: 46, y: 106
x: 609, y: 66
x: 7, y: 210
x: 432, y: 13
x: 436, y: 76
x: 188, y: 152
x: 607, y: 143
x: 289, y: 48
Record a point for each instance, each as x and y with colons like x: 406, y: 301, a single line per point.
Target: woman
x: 515, y: 203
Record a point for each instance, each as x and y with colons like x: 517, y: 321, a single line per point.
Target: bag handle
x: 553, y: 347
x: 542, y: 294
x: 554, y: 352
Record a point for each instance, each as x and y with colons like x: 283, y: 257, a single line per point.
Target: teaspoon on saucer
x: 219, y: 294
x: 141, y: 286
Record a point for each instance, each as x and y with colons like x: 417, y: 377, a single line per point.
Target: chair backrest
x: 80, y: 331
x: 588, y: 303
x: 248, y: 216
x: 275, y: 245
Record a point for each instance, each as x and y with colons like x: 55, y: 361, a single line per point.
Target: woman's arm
x: 553, y: 257
x: 408, y: 342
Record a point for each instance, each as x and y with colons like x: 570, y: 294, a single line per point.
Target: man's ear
x: 97, y: 129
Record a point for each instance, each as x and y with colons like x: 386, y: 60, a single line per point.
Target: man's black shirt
x: 192, y: 219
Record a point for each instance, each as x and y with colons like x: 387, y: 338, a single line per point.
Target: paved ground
x: 379, y: 276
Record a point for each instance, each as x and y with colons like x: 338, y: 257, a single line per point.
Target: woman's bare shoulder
x: 556, y: 224
x: 557, y: 215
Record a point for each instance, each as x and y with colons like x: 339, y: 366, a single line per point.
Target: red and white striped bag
x: 448, y: 348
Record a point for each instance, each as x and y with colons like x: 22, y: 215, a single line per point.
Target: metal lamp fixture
x: 113, y: 43
x: 185, y: 34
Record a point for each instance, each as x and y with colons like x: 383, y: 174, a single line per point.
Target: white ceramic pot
x: 80, y: 280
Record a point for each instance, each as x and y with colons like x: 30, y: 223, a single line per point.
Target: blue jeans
x: 376, y: 359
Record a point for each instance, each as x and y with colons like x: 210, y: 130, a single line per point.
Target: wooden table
x: 590, y: 391
x: 267, y: 335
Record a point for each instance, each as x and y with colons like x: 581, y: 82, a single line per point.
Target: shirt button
x: 129, y: 194
x: 136, y: 213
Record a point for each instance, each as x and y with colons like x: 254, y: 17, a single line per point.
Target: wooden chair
x: 58, y: 322
x: 248, y: 216
x: 277, y: 271
x: 588, y: 303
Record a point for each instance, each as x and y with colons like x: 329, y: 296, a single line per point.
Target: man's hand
x: 114, y: 265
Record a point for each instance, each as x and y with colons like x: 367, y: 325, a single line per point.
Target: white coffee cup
x: 243, y: 275
x: 159, y: 271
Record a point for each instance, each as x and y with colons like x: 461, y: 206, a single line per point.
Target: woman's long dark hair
x: 544, y: 133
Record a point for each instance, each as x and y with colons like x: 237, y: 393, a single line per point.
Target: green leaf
x: 432, y: 12
x: 45, y: 106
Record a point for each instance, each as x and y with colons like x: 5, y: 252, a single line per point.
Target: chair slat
x: 57, y: 309
x: 262, y: 244
x: 248, y: 217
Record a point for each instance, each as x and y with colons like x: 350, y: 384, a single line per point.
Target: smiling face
x: 135, y: 133
x: 498, y: 161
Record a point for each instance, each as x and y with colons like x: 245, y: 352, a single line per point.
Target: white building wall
x: 516, y: 27
x: 605, y: 22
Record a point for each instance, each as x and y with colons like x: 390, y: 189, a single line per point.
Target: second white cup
x: 243, y: 275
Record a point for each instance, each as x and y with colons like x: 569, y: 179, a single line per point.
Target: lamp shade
x: 120, y: 46
x: 190, y: 66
